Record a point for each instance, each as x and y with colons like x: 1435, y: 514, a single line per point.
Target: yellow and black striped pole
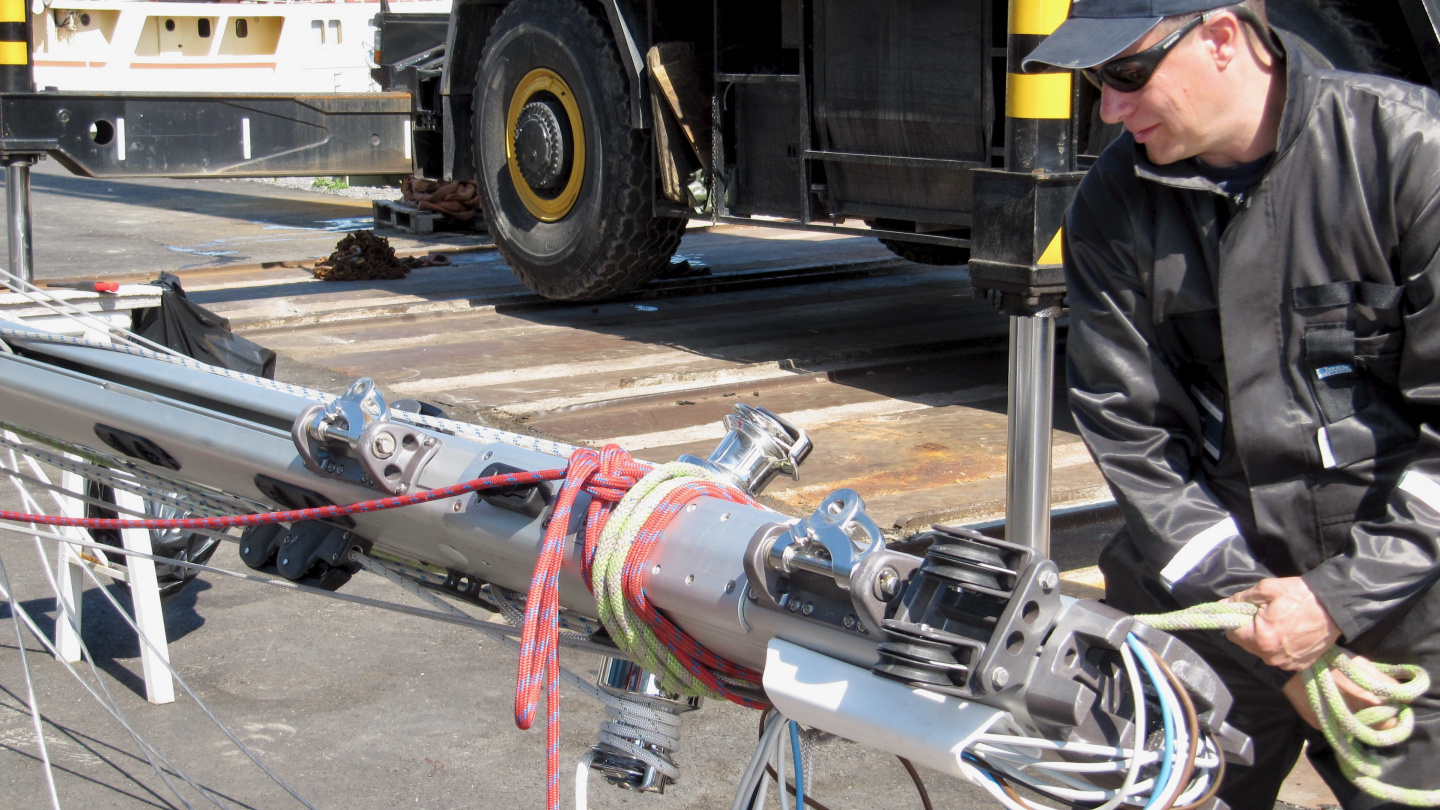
x: 1037, y: 106
x: 17, y: 75
x: 1015, y: 257
x: 17, y: 66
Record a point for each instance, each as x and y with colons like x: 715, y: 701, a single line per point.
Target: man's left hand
x: 1292, y: 629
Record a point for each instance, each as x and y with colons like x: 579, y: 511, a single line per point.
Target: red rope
x: 317, y: 513
x: 607, y: 476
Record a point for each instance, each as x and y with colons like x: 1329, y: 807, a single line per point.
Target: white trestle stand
x: 138, y: 572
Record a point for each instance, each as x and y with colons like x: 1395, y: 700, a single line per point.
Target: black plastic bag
x: 195, y: 331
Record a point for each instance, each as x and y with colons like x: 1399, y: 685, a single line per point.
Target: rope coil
x: 1349, y: 733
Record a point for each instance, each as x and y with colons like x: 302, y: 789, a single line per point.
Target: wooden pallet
x: 408, y: 219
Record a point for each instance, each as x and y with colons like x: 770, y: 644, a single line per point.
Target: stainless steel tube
x: 1027, y: 481
x: 17, y: 205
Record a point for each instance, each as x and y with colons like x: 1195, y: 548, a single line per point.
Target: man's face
x: 1171, y: 114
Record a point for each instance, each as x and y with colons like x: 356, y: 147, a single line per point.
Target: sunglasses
x: 1130, y: 73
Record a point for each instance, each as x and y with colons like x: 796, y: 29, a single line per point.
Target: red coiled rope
x: 607, y: 476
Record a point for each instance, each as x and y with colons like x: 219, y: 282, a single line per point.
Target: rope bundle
x: 631, y: 505
x: 641, y: 499
x: 363, y: 256
x: 1349, y: 733
x: 453, y: 198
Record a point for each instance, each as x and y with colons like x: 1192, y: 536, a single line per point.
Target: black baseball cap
x: 1098, y: 30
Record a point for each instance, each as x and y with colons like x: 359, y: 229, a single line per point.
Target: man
x: 1254, y: 356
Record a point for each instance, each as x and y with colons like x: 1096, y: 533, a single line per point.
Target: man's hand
x: 1291, y: 630
x: 1356, y: 697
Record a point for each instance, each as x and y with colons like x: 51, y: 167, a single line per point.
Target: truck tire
x: 922, y: 253
x: 565, y: 182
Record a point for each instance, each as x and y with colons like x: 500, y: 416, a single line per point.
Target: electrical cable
x: 1192, y: 722
x: 1167, y: 758
x: 799, y: 767
x: 755, y: 768
x: 781, y: 780
x: 919, y: 783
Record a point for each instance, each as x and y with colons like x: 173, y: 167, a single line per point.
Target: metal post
x: 17, y: 208
x: 17, y: 75
x: 1037, y: 140
x: 1027, y: 481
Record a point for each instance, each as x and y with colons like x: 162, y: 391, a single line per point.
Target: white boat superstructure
x: 264, y: 47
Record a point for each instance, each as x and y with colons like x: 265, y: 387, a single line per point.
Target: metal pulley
x: 759, y: 446
x: 353, y: 437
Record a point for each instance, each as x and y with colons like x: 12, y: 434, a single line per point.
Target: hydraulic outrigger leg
x: 1016, y: 258
x: 17, y: 75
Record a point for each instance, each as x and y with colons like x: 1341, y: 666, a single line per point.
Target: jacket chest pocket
x: 1352, y: 367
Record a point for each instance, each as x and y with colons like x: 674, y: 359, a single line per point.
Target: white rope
x: 477, y: 432
x: 65, y: 309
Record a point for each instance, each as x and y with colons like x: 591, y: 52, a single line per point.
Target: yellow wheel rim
x: 546, y: 209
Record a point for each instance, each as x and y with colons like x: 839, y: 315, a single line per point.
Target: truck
x: 597, y: 129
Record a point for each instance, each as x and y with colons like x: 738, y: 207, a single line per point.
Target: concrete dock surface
x: 363, y: 708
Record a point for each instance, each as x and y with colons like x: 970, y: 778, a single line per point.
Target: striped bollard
x: 17, y: 75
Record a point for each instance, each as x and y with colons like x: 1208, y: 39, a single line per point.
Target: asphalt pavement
x: 352, y: 706
x: 89, y: 228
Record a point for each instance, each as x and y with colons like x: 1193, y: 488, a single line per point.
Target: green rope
x: 636, y: 640
x: 1350, y: 733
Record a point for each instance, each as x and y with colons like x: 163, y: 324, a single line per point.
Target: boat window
x: 169, y: 25
x: 251, y: 36
x: 204, y: 28
x: 319, y: 26
x: 335, y: 32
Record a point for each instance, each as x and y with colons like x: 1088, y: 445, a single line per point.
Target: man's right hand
x: 1356, y: 697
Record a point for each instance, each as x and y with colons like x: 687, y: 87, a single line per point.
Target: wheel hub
x: 545, y: 150
x: 540, y: 145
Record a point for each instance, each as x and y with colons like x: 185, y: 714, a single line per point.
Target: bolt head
x: 848, y: 621
x: 808, y: 608
x: 999, y: 676
x: 887, y: 584
x: 1049, y: 580
x: 384, y: 445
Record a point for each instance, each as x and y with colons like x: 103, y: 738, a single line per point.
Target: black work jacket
x: 1258, y: 377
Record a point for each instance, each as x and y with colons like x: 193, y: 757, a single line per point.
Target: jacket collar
x: 1300, y: 91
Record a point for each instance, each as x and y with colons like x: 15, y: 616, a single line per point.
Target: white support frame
x: 139, y: 572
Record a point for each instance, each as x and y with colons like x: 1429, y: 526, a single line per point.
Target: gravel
x: 322, y: 186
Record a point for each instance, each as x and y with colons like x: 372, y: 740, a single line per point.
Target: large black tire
x: 922, y: 253
x: 600, y: 236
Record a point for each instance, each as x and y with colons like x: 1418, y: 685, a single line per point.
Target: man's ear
x: 1223, y: 36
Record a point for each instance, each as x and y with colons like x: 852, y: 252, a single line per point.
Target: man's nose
x: 1114, y: 105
